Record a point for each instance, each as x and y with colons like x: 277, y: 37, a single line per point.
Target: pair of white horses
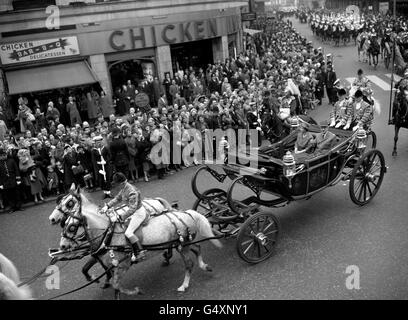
x: 83, y: 224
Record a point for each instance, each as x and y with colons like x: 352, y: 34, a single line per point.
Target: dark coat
x: 119, y: 151
x: 69, y: 160
x: 8, y: 173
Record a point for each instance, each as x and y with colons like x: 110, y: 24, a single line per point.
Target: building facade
x: 76, y: 42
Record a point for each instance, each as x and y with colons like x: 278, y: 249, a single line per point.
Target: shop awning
x: 251, y: 31
x: 50, y: 77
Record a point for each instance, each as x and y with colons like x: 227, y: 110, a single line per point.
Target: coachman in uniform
x: 101, y: 159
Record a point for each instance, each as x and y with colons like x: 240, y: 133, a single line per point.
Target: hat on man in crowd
x: 97, y: 138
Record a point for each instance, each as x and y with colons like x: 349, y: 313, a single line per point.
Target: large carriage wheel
x: 257, y: 237
x: 366, y: 177
x: 213, y: 203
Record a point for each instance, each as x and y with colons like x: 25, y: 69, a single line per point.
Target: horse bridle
x: 80, y: 218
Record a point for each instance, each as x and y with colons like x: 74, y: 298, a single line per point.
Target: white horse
x: 9, y: 280
x: 161, y: 232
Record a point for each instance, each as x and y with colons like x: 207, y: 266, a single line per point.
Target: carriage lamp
x: 289, y: 167
x: 294, y: 123
x: 361, y: 138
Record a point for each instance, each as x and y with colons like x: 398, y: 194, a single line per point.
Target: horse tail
x: 204, y: 227
x: 8, y: 269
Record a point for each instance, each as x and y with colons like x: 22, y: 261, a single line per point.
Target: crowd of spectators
x: 279, y: 73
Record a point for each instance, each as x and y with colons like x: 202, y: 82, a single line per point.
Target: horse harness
x: 169, y: 214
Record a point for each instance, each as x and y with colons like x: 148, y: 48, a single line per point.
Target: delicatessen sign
x: 31, y: 51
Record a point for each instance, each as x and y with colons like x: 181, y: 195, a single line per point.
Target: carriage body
x: 258, y: 179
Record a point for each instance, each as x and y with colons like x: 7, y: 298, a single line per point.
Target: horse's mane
x: 90, y: 210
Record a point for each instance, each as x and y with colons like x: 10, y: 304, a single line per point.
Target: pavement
x: 321, y: 239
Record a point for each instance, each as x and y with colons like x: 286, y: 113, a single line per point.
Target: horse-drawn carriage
x: 280, y: 178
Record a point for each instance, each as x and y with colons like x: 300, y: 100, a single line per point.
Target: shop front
x: 106, y: 56
x: 45, y: 69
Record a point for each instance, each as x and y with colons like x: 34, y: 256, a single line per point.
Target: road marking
x: 396, y: 77
x: 380, y: 83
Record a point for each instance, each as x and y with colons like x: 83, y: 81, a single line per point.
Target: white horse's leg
x: 189, y: 264
x: 196, y: 249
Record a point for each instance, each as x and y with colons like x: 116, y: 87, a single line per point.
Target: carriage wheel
x: 366, y: 177
x: 214, y: 204
x: 371, y: 141
x: 257, y: 237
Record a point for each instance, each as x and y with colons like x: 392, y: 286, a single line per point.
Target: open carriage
x: 275, y: 181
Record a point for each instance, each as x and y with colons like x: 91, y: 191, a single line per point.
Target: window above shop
x: 31, y: 4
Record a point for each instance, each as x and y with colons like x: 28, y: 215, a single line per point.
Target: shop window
x: 31, y: 4
x: 196, y: 54
x: 134, y: 70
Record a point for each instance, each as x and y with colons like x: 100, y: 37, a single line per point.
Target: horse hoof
x: 208, y: 268
x: 394, y: 153
x: 165, y: 263
x: 181, y: 289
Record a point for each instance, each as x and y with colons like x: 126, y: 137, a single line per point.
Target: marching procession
x: 272, y: 124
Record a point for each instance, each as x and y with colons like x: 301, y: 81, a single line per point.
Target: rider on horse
x: 131, y: 196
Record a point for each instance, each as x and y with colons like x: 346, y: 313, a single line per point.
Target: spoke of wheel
x: 246, y: 250
x: 369, y: 189
x: 365, y: 191
x: 257, y: 224
x: 268, y: 226
x: 375, y: 185
x: 266, y: 219
x: 359, y: 186
x: 259, y: 250
x: 204, y: 207
x: 246, y: 242
x: 361, y: 191
x: 270, y: 232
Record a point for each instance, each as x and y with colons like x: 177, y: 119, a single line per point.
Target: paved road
x: 320, y: 237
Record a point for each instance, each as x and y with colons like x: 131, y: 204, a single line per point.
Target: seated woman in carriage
x: 304, y: 142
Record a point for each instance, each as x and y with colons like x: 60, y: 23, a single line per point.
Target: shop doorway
x: 122, y: 71
x: 196, y: 54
